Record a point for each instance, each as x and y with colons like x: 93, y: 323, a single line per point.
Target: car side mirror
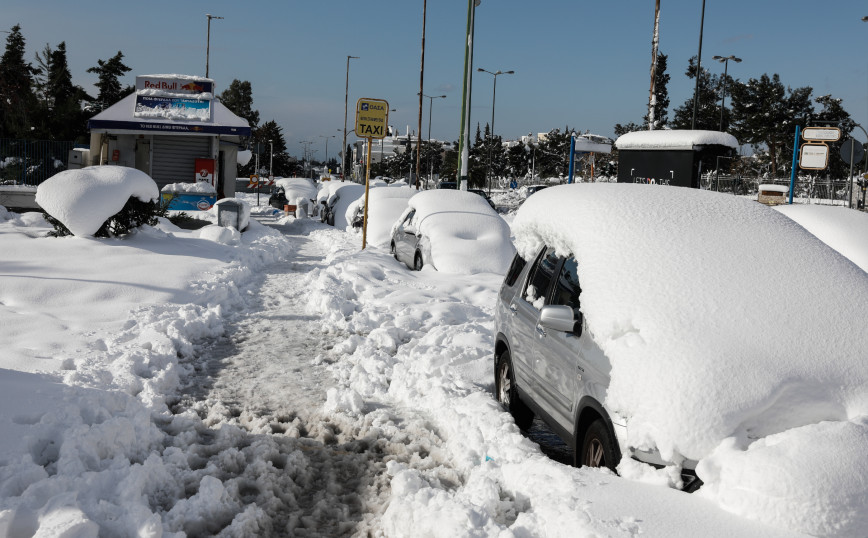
x: 561, y: 318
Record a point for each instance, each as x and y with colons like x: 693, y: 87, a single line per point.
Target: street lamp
x: 430, y: 106
x: 493, y: 97
x: 327, y: 150
x: 698, y: 67
x: 271, y: 162
x: 346, y: 97
x: 725, y: 61
x: 208, y: 42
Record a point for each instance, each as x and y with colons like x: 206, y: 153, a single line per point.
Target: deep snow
x: 278, y: 381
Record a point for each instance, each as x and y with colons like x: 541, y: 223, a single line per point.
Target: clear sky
x: 581, y: 64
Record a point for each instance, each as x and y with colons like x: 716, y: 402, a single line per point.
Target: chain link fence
x: 30, y: 162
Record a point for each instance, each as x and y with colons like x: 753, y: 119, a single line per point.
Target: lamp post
x: 493, y: 97
x: 208, y: 42
x: 271, y: 162
x: 466, y: 94
x: 698, y: 68
x: 346, y: 98
x: 430, y: 106
x: 725, y: 61
x: 327, y: 150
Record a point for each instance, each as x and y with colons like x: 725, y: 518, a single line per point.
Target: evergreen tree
x: 764, y: 112
x: 708, y: 109
x: 270, y: 136
x: 833, y: 113
x: 17, y: 99
x: 553, y: 153
x: 110, y: 89
x: 238, y: 98
x: 61, y: 110
x: 518, y: 160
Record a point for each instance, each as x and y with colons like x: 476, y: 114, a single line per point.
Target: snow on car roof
x: 720, y: 316
x: 466, y: 235
x: 386, y: 203
x: 678, y: 139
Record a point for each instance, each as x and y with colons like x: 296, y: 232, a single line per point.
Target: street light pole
x: 466, y: 94
x: 725, y: 61
x: 421, y: 89
x: 208, y: 43
x: 491, y: 133
x: 698, y: 68
x: 346, y: 98
x: 271, y: 162
x: 430, y: 106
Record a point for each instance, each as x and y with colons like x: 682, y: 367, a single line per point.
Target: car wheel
x: 417, y: 262
x: 331, y: 219
x: 597, y: 448
x: 394, y: 251
x: 507, y: 395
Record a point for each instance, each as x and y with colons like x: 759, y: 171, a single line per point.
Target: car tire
x: 597, y: 447
x: 507, y: 394
x: 331, y: 219
x: 417, y: 262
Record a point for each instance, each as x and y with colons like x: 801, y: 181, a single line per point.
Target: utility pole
x: 421, y: 89
x: 652, y: 99
x: 208, y: 43
x: 346, y: 97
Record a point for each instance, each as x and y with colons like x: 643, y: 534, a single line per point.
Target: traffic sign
x: 821, y: 134
x: 814, y: 156
x: 853, y: 146
x: 372, y: 117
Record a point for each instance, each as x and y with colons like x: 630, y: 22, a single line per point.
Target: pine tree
x: 238, y: 98
x: 110, y: 89
x: 62, y: 115
x: 833, y: 113
x: 17, y: 99
x: 270, y: 135
x: 553, y: 153
x: 707, y: 110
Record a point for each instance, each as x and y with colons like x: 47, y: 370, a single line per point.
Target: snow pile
x: 244, y: 157
x: 739, y: 267
x: 298, y: 190
x: 674, y: 139
x: 119, y: 322
x: 84, y: 199
x: 202, y: 187
x: 843, y: 229
x: 465, y: 234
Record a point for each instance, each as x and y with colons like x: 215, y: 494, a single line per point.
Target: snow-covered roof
x: 120, y: 117
x: 675, y: 139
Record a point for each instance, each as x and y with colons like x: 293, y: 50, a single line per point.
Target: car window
x: 515, y: 269
x: 567, y: 288
x: 541, y: 277
x: 409, y: 224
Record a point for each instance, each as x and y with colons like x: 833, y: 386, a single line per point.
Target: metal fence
x: 30, y: 162
x: 808, y: 189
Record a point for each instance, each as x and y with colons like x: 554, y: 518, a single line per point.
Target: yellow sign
x: 372, y: 117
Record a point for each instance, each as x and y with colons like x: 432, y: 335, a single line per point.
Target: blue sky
x: 582, y: 64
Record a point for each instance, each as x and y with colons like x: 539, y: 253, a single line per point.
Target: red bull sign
x: 175, y: 85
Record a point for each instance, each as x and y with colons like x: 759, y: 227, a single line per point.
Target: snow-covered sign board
x: 814, y: 156
x: 822, y: 134
x: 178, y: 97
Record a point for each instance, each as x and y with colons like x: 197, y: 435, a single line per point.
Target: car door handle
x: 513, y: 309
x: 540, y: 331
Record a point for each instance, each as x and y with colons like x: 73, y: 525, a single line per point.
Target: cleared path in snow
x: 257, y: 420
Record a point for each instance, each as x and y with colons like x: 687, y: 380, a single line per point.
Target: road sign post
x: 372, y: 117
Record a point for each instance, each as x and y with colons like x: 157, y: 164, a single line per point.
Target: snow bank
x: 298, y: 190
x: 84, y: 199
x: 386, y: 203
x: 197, y: 187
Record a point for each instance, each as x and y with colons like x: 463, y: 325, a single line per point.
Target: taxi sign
x: 372, y: 117
x: 814, y: 156
x: 822, y: 134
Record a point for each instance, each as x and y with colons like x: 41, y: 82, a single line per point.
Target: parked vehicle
x: 531, y: 189
x: 452, y: 231
x: 448, y: 185
x: 335, y: 201
x: 657, y: 322
x: 484, y: 194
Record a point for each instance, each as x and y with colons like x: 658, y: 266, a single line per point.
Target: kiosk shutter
x: 174, y: 158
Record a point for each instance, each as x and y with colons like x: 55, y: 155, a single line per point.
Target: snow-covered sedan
x: 452, y: 231
x: 697, y: 332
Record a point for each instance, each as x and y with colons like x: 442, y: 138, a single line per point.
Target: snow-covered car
x: 334, y: 200
x: 452, y: 231
x: 385, y: 204
x: 295, y: 191
x: 531, y: 189
x: 480, y: 192
x: 843, y: 229
x: 697, y: 332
